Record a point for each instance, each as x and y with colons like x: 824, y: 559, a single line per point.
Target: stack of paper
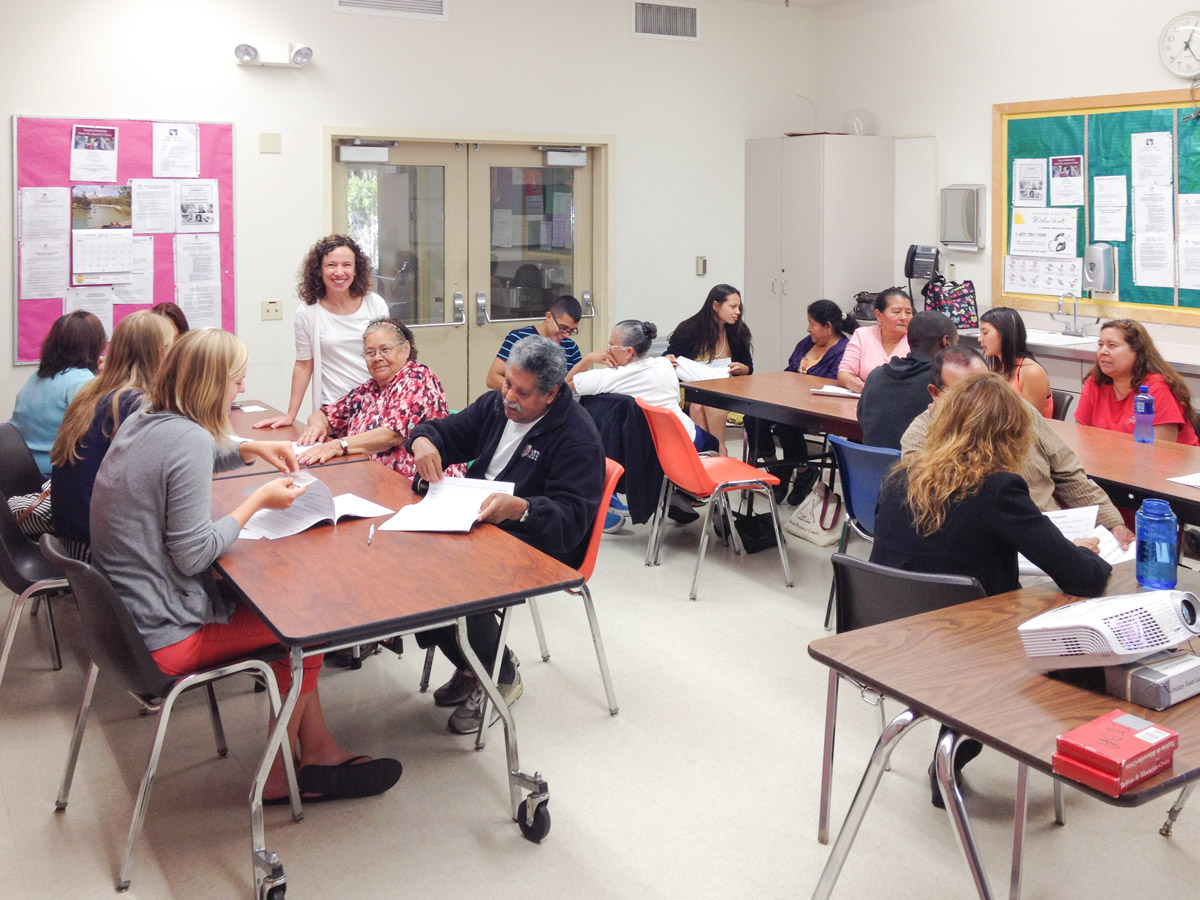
x: 451, y: 505
x: 834, y: 390
x: 690, y: 370
x: 316, y: 504
x: 1081, y: 523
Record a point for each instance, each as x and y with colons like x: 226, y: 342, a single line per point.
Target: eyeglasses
x: 564, y: 329
x: 617, y: 347
x: 382, y: 351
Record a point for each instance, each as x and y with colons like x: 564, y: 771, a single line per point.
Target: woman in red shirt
x: 1126, y: 360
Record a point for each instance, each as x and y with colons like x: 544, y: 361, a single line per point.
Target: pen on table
x: 370, y: 535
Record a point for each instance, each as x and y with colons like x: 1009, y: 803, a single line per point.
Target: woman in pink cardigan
x: 870, y: 348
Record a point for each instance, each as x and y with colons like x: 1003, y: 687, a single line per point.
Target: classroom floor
x: 705, y: 785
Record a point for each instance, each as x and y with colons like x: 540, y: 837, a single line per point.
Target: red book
x: 1113, y: 785
x: 1119, y: 743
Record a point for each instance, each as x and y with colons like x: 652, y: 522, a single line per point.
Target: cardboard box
x: 1157, y: 681
x: 1113, y: 785
x: 1118, y: 743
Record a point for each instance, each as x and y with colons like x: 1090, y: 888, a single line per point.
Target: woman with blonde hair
x: 958, y: 507
x: 137, y: 347
x: 156, y: 482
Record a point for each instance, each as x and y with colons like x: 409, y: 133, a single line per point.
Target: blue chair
x: 862, y: 471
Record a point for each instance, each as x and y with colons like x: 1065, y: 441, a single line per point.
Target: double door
x: 469, y: 240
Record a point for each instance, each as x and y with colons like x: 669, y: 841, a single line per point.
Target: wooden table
x: 785, y: 397
x: 1129, y: 472
x: 984, y: 686
x: 326, y: 588
x: 242, y: 424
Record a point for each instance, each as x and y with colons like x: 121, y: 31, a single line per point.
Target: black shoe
x: 967, y: 751
x: 935, y: 790
x: 679, y: 510
x: 805, y: 479
x: 1191, y: 543
x: 784, y: 474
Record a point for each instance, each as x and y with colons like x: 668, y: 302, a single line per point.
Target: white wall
x: 680, y: 113
x: 938, y: 66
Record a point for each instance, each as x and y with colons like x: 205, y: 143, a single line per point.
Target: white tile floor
x: 704, y: 786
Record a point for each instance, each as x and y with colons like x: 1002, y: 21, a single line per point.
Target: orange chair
x: 704, y: 478
x: 612, y: 474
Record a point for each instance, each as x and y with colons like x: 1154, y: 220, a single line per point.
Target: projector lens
x: 1187, y: 608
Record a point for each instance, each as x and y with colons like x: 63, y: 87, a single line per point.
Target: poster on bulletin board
x: 116, y: 215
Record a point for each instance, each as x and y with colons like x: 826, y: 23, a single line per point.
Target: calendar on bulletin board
x: 1120, y: 170
x: 116, y: 215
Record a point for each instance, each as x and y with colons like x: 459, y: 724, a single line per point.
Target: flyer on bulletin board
x: 93, y: 153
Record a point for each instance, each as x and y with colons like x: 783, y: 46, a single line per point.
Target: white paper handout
x: 96, y: 300
x: 45, y: 213
x: 176, y: 150
x: 93, y: 153
x: 316, y: 504
x: 201, y: 303
x: 834, y: 390
x: 1109, y: 223
x: 153, y: 206
x: 1081, y: 523
x: 1051, y: 277
x: 1192, y: 480
x: 452, y: 504
x: 197, y: 258
x: 1029, y: 182
x: 197, y: 206
x: 690, y: 370
x: 1150, y: 157
x: 140, y: 289
x: 1153, y: 261
x: 1066, y: 181
x: 44, y: 269
x: 1188, y: 250
x: 1044, y: 232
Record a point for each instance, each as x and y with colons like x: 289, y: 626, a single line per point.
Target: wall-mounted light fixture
x: 291, y: 56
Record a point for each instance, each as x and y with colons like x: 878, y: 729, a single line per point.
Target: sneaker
x: 679, y: 510
x: 466, y: 719
x: 615, y: 505
x: 456, y: 691
x: 612, y: 522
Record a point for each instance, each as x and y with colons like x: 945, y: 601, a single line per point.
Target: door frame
x: 602, y: 188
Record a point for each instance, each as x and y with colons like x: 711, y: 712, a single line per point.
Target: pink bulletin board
x: 42, y: 158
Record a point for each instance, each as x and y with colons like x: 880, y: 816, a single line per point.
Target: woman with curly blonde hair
x: 958, y: 507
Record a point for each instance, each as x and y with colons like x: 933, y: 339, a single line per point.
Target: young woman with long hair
x: 137, y: 347
x: 1002, y: 337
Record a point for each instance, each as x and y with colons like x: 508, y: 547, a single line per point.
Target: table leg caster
x: 272, y: 883
x: 534, y: 821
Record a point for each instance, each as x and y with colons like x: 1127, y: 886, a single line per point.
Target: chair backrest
x: 18, y: 472
x: 677, y: 454
x: 109, y: 633
x: 862, y: 471
x: 613, y: 471
x: 20, y: 563
x: 1062, y: 403
x: 868, y: 593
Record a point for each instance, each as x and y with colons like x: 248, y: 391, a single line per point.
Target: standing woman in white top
x: 335, y: 278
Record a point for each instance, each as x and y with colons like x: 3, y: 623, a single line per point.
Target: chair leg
x: 10, y: 628
x: 427, y: 669
x: 662, y: 524
x: 55, y: 655
x: 1176, y: 809
x: 214, y: 713
x: 1060, y: 806
x: 142, y: 803
x: 833, y: 582
x: 708, y: 508
x: 730, y: 530
x: 779, y: 540
x: 537, y: 627
x: 1019, y: 811
x: 81, y: 717
x: 480, y: 740
x: 827, y: 758
x: 601, y: 656
x: 656, y: 522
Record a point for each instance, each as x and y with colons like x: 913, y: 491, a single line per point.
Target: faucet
x: 1072, y: 328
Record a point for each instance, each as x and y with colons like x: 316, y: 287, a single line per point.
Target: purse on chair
x: 818, y: 518
x: 953, y: 299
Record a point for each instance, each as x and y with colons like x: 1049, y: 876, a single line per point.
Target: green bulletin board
x: 1100, y: 128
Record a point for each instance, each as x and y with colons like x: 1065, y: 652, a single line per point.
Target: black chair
x: 22, y: 569
x: 869, y: 594
x: 114, y: 645
x: 1062, y: 403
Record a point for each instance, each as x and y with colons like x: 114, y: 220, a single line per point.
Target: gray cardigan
x: 152, y: 528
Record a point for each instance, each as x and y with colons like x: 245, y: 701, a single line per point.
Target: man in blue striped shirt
x: 560, y: 325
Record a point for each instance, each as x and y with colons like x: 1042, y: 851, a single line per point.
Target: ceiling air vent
x: 666, y: 20
x: 437, y: 10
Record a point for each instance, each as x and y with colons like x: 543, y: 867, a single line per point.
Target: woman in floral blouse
x: 376, y: 416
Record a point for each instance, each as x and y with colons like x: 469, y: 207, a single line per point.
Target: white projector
x: 1108, y: 631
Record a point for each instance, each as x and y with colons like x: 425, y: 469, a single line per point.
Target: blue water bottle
x: 1156, y: 545
x: 1143, y: 416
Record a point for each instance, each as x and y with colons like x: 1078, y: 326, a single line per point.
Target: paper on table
x: 1190, y: 480
x: 1081, y: 523
x: 316, y: 504
x: 691, y: 370
x: 834, y: 390
x: 451, y: 505
x: 254, y: 409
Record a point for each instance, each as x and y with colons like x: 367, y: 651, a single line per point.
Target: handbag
x: 818, y: 518
x: 864, y: 306
x: 32, y: 512
x: 954, y: 299
x: 757, y: 531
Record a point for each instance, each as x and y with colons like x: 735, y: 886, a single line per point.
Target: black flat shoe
x: 805, y: 479
x: 935, y: 791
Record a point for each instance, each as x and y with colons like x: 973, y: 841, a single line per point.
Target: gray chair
x: 1062, y: 403
x: 869, y: 594
x: 22, y: 569
x: 114, y: 645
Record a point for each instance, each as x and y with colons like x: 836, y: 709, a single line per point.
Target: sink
x: 1055, y: 338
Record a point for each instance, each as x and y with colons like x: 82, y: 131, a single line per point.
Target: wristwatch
x: 525, y: 515
x: 345, y: 446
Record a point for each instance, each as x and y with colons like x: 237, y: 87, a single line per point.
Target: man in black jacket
x: 532, y: 433
x: 898, y: 392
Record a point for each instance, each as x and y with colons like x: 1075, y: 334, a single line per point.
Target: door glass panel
x: 532, y: 239
x: 397, y: 214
